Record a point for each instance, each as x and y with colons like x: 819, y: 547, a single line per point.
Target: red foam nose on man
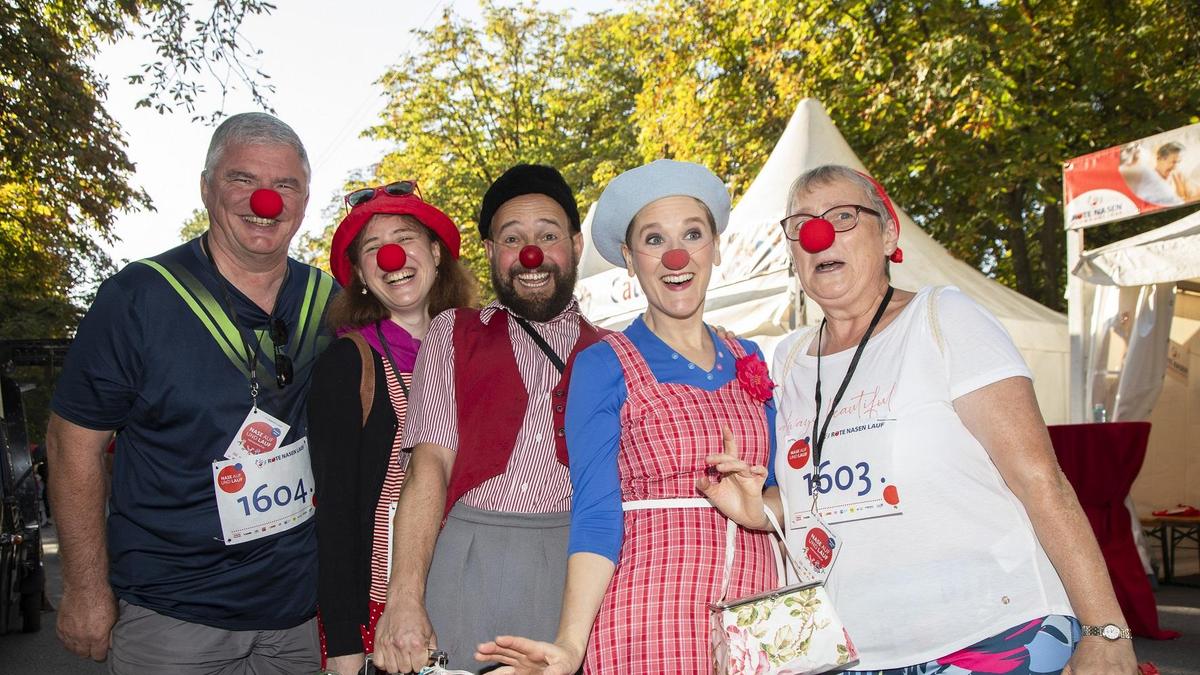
x: 266, y: 203
x: 531, y: 257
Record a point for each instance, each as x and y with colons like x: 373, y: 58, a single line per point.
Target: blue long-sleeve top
x: 593, y: 427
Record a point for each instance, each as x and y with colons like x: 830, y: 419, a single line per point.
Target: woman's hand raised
x: 738, y: 493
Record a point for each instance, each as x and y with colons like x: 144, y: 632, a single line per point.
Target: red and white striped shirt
x: 393, y: 482
x: 535, y: 481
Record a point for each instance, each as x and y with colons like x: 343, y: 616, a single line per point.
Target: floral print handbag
x: 792, y: 630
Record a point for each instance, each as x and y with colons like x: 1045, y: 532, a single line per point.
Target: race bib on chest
x: 856, y: 479
x: 260, y: 432
x: 264, y: 494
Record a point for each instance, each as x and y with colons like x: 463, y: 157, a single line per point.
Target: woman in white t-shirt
x: 957, y: 544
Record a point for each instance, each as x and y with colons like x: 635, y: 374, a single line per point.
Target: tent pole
x: 1077, y: 413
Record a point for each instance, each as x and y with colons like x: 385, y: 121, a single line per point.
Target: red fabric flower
x: 753, y: 376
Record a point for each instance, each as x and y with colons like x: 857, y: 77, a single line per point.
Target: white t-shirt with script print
x: 933, y: 551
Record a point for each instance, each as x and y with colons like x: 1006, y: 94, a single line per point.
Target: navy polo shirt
x: 157, y: 359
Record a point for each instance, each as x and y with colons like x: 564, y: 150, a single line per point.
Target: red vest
x: 491, y: 398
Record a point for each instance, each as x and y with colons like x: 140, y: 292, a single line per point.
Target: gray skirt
x: 496, y: 573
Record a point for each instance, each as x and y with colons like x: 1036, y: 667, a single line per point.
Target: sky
x: 323, y: 58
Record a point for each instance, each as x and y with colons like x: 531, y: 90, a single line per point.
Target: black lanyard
x: 542, y: 344
x: 387, y: 352
x: 819, y: 441
x: 251, y: 352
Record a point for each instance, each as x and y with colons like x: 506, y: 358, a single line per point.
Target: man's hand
x: 85, y: 621
x: 1183, y: 187
x: 522, y: 656
x: 77, y: 493
x: 1097, y: 656
x: 404, y: 638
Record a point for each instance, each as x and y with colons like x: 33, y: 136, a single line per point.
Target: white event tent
x: 1141, y: 309
x: 754, y: 294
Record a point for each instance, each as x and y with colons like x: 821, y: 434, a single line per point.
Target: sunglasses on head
x: 283, y: 363
x: 400, y: 188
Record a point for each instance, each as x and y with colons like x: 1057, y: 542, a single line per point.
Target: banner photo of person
x: 1152, y: 174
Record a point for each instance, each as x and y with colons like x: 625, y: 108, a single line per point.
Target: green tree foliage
x: 964, y: 109
x: 525, y: 86
x: 185, y: 43
x: 195, y: 225
x: 64, y: 174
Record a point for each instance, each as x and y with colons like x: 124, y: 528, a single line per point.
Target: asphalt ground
x: 1178, y: 609
x: 41, y: 653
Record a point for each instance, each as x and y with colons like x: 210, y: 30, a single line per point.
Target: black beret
x: 526, y: 179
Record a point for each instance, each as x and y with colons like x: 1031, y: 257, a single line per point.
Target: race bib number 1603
x: 849, y: 485
x: 262, y: 495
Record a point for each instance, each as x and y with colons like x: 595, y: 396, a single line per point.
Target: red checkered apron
x: 654, y: 617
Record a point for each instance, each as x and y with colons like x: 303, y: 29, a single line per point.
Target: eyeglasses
x: 843, y: 218
x: 400, y: 188
x: 284, y: 371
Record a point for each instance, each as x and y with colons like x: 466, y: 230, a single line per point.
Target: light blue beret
x: 633, y: 190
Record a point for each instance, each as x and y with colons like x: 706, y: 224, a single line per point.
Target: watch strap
x: 1109, y: 631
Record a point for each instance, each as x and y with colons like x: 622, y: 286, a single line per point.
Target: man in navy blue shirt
x: 199, y: 360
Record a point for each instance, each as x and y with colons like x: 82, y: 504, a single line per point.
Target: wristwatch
x: 1109, y: 631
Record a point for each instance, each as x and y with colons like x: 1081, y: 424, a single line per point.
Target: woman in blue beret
x: 654, y: 415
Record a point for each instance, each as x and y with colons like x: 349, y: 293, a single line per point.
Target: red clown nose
x: 676, y: 259
x: 816, y: 235
x: 391, y: 257
x: 531, y: 257
x: 266, y: 203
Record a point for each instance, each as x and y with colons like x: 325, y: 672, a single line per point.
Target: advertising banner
x: 1152, y: 174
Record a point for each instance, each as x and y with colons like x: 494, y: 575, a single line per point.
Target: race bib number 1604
x: 262, y: 495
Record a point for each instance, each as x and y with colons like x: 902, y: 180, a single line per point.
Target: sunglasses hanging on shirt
x: 277, y: 330
x: 284, y: 370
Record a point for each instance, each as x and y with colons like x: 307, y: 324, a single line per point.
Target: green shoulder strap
x: 212, y: 315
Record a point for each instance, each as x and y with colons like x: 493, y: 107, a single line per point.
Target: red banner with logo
x: 1152, y: 174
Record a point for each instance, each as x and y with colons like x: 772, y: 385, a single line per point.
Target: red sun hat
x: 410, y: 204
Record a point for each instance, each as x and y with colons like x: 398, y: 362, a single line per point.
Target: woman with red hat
x: 396, y: 257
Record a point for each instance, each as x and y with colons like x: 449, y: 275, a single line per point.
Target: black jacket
x: 349, y: 462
